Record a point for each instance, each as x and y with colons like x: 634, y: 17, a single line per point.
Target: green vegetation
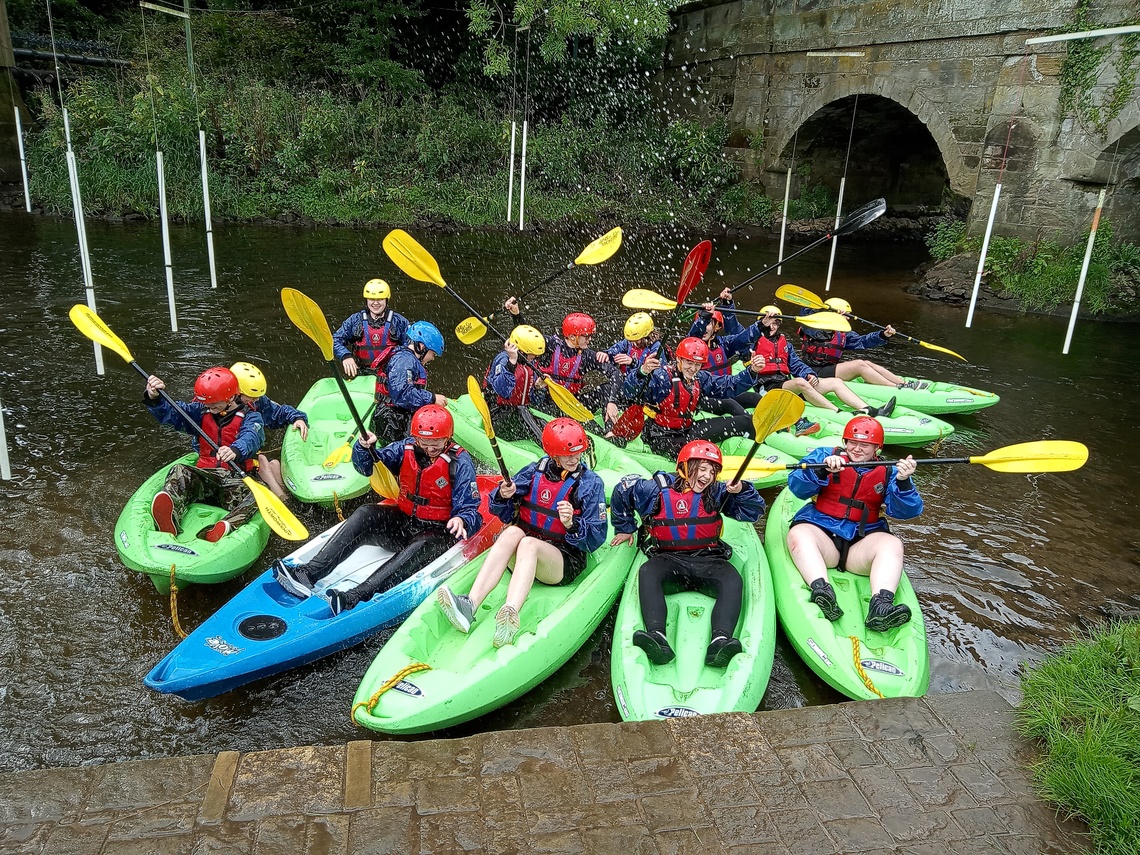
x: 1083, y: 706
x: 1042, y: 275
x: 1085, y: 71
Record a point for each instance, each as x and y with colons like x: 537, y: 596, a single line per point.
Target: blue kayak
x: 265, y: 629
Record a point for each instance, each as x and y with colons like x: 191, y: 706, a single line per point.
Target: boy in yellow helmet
x: 253, y: 387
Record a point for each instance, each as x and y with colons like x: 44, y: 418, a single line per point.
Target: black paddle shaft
x: 334, y: 369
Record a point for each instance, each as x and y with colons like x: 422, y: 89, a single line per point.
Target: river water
x: 1006, y: 566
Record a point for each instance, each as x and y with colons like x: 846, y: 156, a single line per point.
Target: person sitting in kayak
x: 401, y: 380
x: 239, y: 434
x: 681, y: 518
x: 727, y: 342
x: 676, y: 392
x: 777, y: 366
x: 843, y: 526
x: 514, y: 380
x: 640, y: 337
x: 252, y: 384
x: 363, y: 335
x: 823, y: 351
x: 438, y: 504
x: 557, y: 511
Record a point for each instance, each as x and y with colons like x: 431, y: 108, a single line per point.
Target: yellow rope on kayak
x: 370, y: 704
x: 336, y: 507
x: 174, y: 604
x: 859, y: 666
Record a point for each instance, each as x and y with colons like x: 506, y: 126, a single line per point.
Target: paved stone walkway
x: 943, y: 775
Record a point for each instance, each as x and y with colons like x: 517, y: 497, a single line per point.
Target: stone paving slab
x: 944, y: 775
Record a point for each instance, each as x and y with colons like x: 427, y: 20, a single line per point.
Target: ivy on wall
x: 1081, y: 72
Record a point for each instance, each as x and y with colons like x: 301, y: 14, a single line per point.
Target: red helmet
x: 563, y: 438
x: 718, y: 316
x: 864, y: 429
x: 432, y: 422
x: 578, y: 323
x: 698, y: 449
x: 215, y: 385
x: 693, y: 349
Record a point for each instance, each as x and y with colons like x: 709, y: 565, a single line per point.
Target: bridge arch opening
x: 893, y: 154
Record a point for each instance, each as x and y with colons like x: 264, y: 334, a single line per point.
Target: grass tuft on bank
x: 1083, y: 707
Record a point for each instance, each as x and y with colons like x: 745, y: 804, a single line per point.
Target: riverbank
x: 943, y: 774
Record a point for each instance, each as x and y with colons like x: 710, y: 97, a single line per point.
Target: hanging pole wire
x: 525, y: 112
x: 76, y: 196
x: 842, y: 187
x: 787, y: 195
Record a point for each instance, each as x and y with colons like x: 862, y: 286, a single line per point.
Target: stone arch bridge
x: 934, y: 95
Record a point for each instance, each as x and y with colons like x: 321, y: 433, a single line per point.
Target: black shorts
x: 823, y: 371
x: 842, y: 544
x: 768, y: 382
x: 573, y: 560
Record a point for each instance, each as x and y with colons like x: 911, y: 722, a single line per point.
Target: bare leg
x: 842, y: 391
x: 269, y: 471
x: 534, y: 559
x: 812, y: 551
x: 878, y: 555
x: 500, y: 553
x: 808, y: 393
x: 871, y: 372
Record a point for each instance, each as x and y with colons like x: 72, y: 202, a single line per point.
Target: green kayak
x: 686, y: 686
x: 330, y: 424
x: 901, y: 427
x: 938, y: 400
x: 144, y: 548
x: 856, y: 661
x: 465, y: 675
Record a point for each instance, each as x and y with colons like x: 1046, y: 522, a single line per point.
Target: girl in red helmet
x: 438, y: 504
x: 557, y: 511
x: 681, y: 515
x: 844, y: 526
x: 218, y: 410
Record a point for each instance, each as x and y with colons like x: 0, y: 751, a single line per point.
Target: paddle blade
x: 630, y: 423
x: 565, y: 401
x: 307, y: 316
x: 470, y: 330
x: 823, y: 321
x: 696, y: 263
x: 92, y: 326
x: 947, y: 350
x: 1048, y: 455
x: 383, y: 481
x: 798, y: 296
x: 341, y: 454
x: 861, y: 217
x: 778, y: 409
x: 279, y: 517
x: 601, y: 249
x: 476, y: 393
x: 412, y: 258
x: 640, y: 298
x: 755, y: 470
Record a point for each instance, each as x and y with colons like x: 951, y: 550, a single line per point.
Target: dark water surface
x: 1007, y: 566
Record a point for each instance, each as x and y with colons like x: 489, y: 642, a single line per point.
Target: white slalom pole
x: 23, y: 160
x: 522, y: 178
x: 5, y: 466
x: 81, y: 232
x: 784, y: 222
x: 982, y: 257
x: 511, y: 173
x: 206, y: 209
x: 166, y: 239
x: 835, y: 240
x: 1084, y: 270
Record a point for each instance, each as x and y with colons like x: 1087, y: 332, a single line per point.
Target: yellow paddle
x: 343, y: 452
x: 307, y: 316
x: 481, y: 405
x: 1046, y: 455
x: 470, y: 330
x: 641, y: 298
x: 778, y: 409
x: 417, y: 262
x: 802, y: 297
x: 279, y: 517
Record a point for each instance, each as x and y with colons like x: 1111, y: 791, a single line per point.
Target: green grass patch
x: 1083, y: 707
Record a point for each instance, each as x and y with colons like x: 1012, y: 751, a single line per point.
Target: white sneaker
x: 506, y: 626
x: 459, y: 611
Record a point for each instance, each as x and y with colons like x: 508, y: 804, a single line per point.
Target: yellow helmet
x: 250, y: 379
x: 769, y: 310
x: 838, y: 304
x: 377, y: 289
x: 529, y: 340
x: 638, y: 326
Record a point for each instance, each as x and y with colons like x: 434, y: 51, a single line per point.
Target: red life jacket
x: 822, y: 348
x: 373, y: 340
x: 564, y: 370
x: 538, y: 512
x: 852, y: 494
x: 634, y: 353
x: 676, y: 411
x: 223, y: 430
x: 718, y: 364
x: 381, y: 366
x: 775, y: 354
x: 426, y: 493
x: 524, y: 384
x: 682, y: 523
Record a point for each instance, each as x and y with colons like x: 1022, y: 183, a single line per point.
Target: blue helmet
x: 428, y: 335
